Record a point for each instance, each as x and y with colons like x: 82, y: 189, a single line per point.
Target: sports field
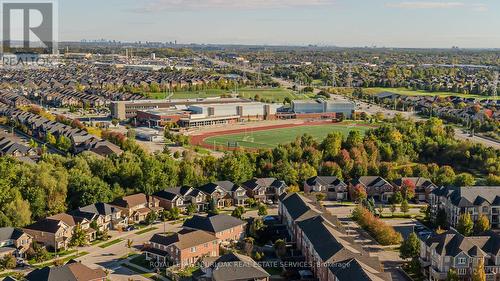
x: 272, y: 94
x: 271, y: 138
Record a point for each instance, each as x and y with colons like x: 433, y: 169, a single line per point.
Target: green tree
x: 151, y: 217
x: 410, y: 248
x: 255, y: 227
x: 405, y: 207
x: 79, y: 237
x: 465, y: 179
x: 262, y: 210
x: 465, y: 224
x: 191, y: 209
x: 280, y: 247
x: 8, y: 262
x: 63, y: 143
x: 174, y: 213
x: 393, y: 209
x: 50, y: 139
x: 238, y: 212
x: 452, y: 275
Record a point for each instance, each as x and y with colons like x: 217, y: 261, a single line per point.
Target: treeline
x: 400, y: 148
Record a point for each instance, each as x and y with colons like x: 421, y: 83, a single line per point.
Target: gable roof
x: 10, y: 233
x: 214, y: 223
x: 131, y: 200
x: 184, y: 239
x: 324, y: 181
x: 451, y: 243
x: 90, y: 211
x: 233, y: 266
x: 68, y: 272
x: 258, y: 183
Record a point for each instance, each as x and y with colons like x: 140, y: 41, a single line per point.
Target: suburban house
x: 106, y: 216
x: 14, y: 241
x: 476, y: 200
x: 236, y: 192
x: 451, y: 250
x: 231, y: 267
x: 423, y: 187
x: 136, y: 207
x: 53, y: 234
x: 219, y: 196
x: 325, y: 244
x: 333, y: 187
x: 264, y: 189
x: 226, y: 228
x: 73, y: 221
x: 376, y: 187
x: 181, y: 197
x: 72, y: 271
x: 183, y: 248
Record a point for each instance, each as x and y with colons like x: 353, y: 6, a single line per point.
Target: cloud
x: 149, y: 6
x: 437, y: 5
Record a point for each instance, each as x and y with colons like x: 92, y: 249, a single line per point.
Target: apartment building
x: 451, y: 250
x: 476, y: 200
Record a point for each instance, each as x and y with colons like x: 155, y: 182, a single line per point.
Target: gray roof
x: 475, y: 195
x: 233, y: 267
x: 90, y: 211
x: 451, y: 243
x: 214, y: 223
x: 8, y: 233
x: 325, y: 181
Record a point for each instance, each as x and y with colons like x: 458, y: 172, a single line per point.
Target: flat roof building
x: 344, y: 107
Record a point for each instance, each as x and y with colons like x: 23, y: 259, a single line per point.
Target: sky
x: 348, y: 23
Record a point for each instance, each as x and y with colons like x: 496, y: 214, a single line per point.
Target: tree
x: 465, y: 179
x: 251, y: 202
x: 452, y: 275
x: 238, y: 212
x: 174, y: 213
x: 405, y: 207
x: 280, y: 247
x: 358, y: 193
x: 408, y: 189
x: 410, y: 248
x: 482, y: 224
x: 212, y: 208
x: 191, y: 209
x: 79, y: 237
x: 248, y: 243
x: 393, y: 209
x: 320, y: 197
x: 441, y: 219
x: 256, y: 225
x: 465, y: 224
x: 262, y: 210
x: 151, y: 217
x: 129, y: 245
x: 397, y: 197
x: 479, y: 273
x: 8, y: 262
x: 63, y: 143
x: 293, y: 188
x: 51, y: 139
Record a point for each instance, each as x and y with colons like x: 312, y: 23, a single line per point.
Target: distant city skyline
x: 344, y: 23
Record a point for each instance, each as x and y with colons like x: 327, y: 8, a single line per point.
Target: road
x: 461, y: 135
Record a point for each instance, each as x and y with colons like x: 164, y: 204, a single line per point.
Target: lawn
x: 273, y: 94
x: 110, y: 243
x: 272, y: 138
x: 407, y: 92
x: 145, y: 230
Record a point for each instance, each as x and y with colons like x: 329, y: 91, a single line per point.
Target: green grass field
x: 406, y: 92
x: 273, y: 94
x: 272, y: 138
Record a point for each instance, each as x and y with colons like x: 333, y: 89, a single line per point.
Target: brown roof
x: 82, y: 272
x: 67, y: 219
x: 184, y: 239
x: 131, y: 200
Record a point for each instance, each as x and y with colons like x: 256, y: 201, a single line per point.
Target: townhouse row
x: 331, y: 254
x: 376, y: 187
x: 40, y: 127
x: 55, y: 232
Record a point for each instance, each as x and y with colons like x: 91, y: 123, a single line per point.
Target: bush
x: 382, y: 232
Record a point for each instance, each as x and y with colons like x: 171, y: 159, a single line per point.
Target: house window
x: 193, y: 249
x: 462, y: 260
